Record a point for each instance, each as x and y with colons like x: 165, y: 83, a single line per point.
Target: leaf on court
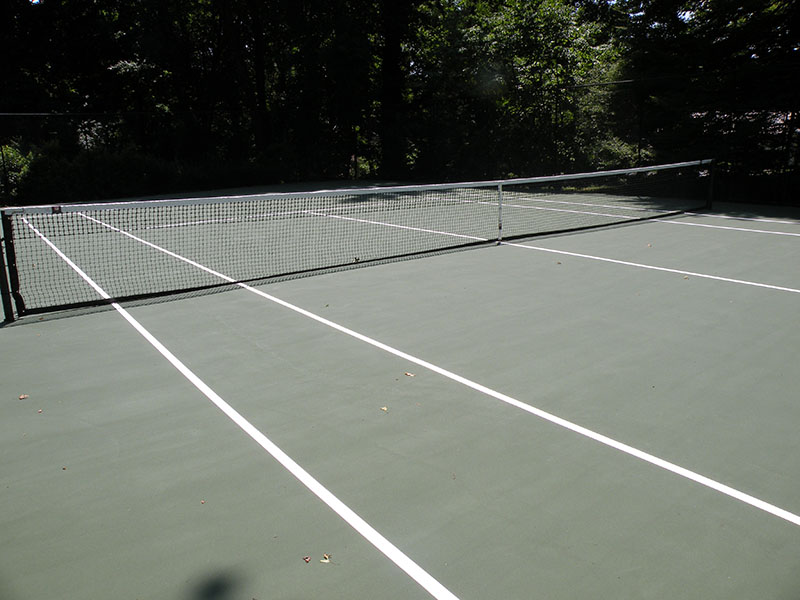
x: 307, y: 559
x: 39, y: 411
x: 385, y: 408
x: 326, y: 558
x: 686, y: 277
x: 649, y: 245
x: 409, y: 374
x: 23, y: 396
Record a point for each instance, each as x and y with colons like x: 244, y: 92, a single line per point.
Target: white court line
x: 654, y: 268
x: 247, y: 219
x: 396, y: 226
x: 745, y: 229
x: 580, y: 430
x: 735, y: 218
x: 571, y: 203
x: 575, y: 212
x: 513, y: 244
x: 667, y: 220
x: 653, y: 210
x: 417, y: 573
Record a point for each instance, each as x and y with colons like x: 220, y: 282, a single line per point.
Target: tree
x: 495, y: 86
x: 712, y: 77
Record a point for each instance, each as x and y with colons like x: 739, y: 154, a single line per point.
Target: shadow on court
x: 223, y: 585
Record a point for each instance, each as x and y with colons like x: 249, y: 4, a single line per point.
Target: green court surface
x: 608, y: 414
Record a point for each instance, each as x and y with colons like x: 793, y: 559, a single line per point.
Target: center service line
x: 417, y: 573
x: 580, y: 430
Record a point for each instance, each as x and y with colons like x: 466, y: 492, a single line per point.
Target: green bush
x: 14, y: 164
x: 55, y: 176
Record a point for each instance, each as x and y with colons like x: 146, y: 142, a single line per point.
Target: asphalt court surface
x: 130, y: 483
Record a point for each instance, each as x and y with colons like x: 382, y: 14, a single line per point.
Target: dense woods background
x: 120, y: 97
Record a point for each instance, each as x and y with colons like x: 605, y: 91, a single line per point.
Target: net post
x: 10, y: 268
x: 499, y: 213
x: 5, y: 289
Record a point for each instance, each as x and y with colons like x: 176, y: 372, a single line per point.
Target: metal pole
x: 499, y: 213
x: 11, y: 266
x: 5, y: 290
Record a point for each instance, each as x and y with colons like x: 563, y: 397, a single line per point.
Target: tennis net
x: 147, y: 249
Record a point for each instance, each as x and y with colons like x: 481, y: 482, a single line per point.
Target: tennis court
x: 606, y: 413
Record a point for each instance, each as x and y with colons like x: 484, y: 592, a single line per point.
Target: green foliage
x: 495, y: 87
x: 153, y: 95
x: 14, y: 166
x: 57, y: 176
x: 52, y: 174
x: 715, y: 76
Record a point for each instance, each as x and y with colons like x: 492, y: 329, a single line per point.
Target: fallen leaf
x: 23, y: 396
x: 39, y: 411
x: 326, y: 558
x: 385, y: 408
x: 686, y: 277
x: 410, y: 374
x: 307, y: 558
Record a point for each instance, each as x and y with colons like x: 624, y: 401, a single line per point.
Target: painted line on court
x: 669, y: 220
x: 542, y: 414
x: 711, y: 215
x: 654, y: 268
x: 396, y: 226
x: 745, y: 229
x: 417, y: 573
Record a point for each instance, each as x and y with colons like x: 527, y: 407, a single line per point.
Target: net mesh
x: 147, y: 249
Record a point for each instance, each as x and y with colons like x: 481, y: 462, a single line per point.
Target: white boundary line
x: 668, y: 220
x: 745, y: 229
x: 654, y: 268
x: 417, y: 573
x: 395, y: 226
x: 735, y: 218
x: 580, y: 430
